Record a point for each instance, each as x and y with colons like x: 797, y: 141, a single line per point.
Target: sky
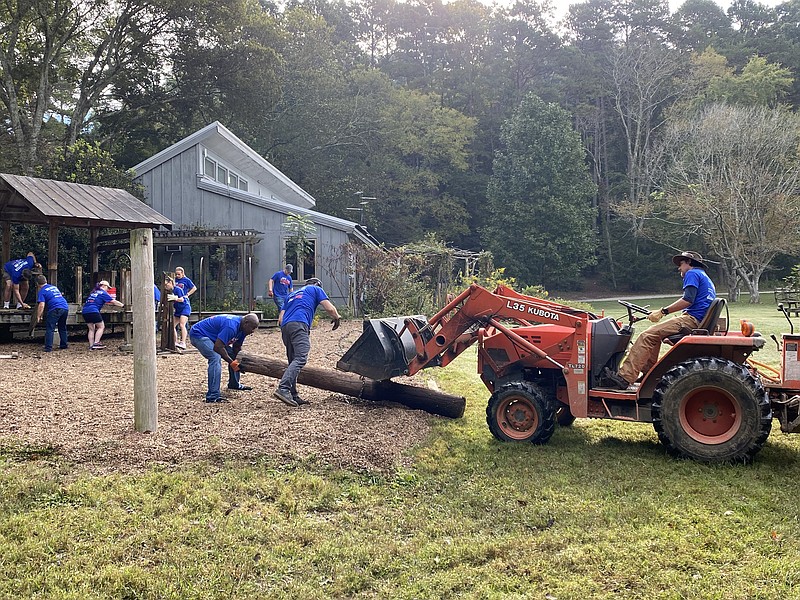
x: 561, y: 6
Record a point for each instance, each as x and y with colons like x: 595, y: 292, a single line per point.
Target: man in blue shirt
x: 698, y: 293
x: 16, y: 274
x: 295, y: 320
x: 280, y: 286
x: 220, y: 338
x: 51, y: 298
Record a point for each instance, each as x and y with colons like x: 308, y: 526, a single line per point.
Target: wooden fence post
x: 145, y: 388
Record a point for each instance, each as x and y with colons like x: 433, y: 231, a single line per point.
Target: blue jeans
x: 206, y: 347
x: 298, y: 345
x: 279, y: 301
x: 55, y: 318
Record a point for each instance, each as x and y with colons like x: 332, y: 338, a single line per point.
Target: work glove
x: 172, y: 297
x: 336, y: 322
x: 234, y: 364
x: 655, y: 316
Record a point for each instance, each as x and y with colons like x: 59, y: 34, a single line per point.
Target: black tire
x: 520, y: 412
x: 564, y: 417
x: 711, y: 410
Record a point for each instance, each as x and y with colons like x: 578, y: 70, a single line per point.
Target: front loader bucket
x: 380, y: 352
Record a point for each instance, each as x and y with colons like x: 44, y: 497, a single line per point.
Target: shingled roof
x: 50, y: 202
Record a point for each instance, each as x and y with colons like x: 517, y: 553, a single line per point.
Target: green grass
x: 599, y: 512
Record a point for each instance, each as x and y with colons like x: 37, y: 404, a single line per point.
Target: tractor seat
x: 706, y: 326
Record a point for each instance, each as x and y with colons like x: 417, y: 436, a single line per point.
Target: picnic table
x: 790, y: 298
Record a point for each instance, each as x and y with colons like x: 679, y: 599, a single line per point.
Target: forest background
x: 587, y: 147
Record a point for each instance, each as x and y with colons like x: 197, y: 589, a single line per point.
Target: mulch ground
x: 80, y: 403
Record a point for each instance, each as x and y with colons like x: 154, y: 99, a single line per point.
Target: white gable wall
x: 177, y: 189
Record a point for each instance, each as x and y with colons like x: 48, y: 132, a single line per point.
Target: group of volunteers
x: 220, y: 338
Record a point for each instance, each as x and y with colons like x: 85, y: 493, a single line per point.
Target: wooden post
x: 126, y: 289
x: 52, y: 256
x: 79, y: 286
x: 94, y: 256
x: 5, y: 253
x: 145, y: 388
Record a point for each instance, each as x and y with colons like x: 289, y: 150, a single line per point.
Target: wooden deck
x: 18, y: 320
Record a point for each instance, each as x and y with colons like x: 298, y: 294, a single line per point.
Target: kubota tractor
x: 543, y: 363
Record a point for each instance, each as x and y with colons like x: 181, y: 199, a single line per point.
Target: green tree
x: 733, y: 179
x: 541, y: 223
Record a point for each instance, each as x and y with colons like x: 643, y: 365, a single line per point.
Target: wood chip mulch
x: 80, y: 403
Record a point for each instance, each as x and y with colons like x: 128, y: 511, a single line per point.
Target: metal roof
x: 50, y: 202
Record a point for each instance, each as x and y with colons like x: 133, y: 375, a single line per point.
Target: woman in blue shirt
x: 183, y: 309
x: 91, y: 313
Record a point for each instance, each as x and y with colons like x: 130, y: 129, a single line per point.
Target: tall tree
x: 541, y: 221
x: 734, y: 180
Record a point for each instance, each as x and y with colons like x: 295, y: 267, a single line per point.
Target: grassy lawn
x: 599, y: 512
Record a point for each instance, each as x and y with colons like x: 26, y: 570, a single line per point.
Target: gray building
x: 220, y: 192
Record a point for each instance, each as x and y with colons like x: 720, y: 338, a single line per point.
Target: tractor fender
x: 735, y: 348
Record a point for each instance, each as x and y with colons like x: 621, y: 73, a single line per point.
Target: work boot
x: 612, y: 379
x: 284, y: 397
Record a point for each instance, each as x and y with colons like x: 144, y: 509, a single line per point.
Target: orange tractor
x: 543, y: 363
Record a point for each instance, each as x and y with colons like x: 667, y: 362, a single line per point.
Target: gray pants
x: 298, y: 345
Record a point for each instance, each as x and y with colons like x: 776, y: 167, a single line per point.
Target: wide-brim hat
x: 694, y: 259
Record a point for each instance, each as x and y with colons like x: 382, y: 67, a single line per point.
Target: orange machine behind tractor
x: 543, y: 362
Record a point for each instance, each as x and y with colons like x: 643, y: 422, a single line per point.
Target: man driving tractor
x: 698, y: 293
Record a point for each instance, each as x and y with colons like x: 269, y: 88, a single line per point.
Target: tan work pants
x: 644, y: 352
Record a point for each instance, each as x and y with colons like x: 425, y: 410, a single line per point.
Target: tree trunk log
x: 438, y: 403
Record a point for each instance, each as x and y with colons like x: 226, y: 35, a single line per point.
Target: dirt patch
x: 80, y: 403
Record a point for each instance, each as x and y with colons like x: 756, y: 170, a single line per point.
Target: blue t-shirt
x: 182, y: 309
x: 705, y: 292
x: 221, y: 327
x: 95, y: 301
x: 52, y: 297
x: 15, y: 267
x: 185, y: 284
x: 156, y: 293
x: 281, y: 284
x: 301, y: 305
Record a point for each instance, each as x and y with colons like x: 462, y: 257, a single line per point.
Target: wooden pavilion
x: 57, y: 204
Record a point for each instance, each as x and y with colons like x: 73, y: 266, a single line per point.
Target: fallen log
x: 432, y: 401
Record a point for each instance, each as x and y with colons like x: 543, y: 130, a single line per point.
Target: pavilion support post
x: 5, y: 253
x: 52, y: 255
x: 94, y: 255
x: 79, y: 286
x: 145, y: 388
x: 127, y: 296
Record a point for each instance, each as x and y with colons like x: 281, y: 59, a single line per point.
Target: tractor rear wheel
x: 520, y: 412
x: 712, y: 410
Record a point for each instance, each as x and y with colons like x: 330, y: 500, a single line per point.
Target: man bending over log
x: 295, y: 320
x: 220, y: 338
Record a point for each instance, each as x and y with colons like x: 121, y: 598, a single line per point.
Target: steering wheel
x: 635, y: 308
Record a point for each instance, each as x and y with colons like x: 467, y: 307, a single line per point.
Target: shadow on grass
x: 26, y: 452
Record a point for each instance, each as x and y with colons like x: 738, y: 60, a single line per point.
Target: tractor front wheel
x: 520, y: 412
x: 712, y: 410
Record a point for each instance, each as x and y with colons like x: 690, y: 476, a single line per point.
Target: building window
x: 309, y: 266
x: 210, y: 168
x: 213, y: 170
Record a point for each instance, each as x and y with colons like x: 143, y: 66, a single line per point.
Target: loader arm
x: 458, y: 325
